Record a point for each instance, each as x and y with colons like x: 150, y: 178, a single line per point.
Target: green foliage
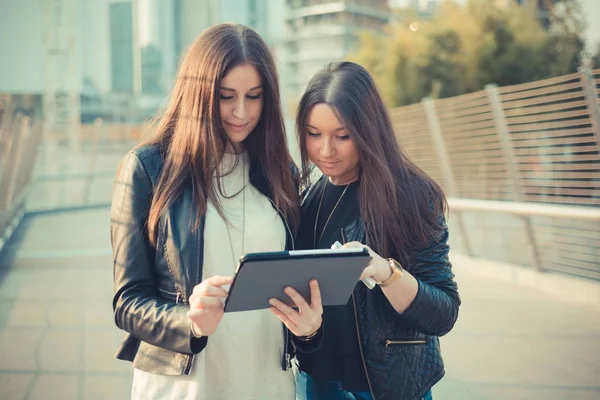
x: 463, y: 48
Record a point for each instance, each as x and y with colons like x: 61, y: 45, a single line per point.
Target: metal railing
x: 69, y: 177
x: 537, y: 142
x: 19, y: 141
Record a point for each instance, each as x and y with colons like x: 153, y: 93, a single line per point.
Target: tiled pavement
x: 57, y: 337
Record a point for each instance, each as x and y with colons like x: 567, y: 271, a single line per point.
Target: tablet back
x: 257, y: 281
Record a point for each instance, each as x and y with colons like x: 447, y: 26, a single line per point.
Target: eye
x: 254, y: 97
x: 313, y: 134
x: 223, y: 97
x: 344, y: 137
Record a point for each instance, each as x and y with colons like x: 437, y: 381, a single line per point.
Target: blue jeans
x: 308, y: 389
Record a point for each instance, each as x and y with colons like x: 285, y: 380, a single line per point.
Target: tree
x: 463, y: 48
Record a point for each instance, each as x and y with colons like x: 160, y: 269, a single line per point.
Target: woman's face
x: 330, y: 147
x: 241, y: 102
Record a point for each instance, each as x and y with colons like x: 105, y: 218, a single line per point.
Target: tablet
x: 262, y: 276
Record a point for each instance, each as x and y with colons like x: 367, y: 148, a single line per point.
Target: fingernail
x: 272, y: 302
x: 288, y: 290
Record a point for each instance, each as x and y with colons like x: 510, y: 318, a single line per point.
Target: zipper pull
x: 178, y: 296
x: 288, y: 360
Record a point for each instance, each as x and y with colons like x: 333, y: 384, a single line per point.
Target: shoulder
x: 151, y: 159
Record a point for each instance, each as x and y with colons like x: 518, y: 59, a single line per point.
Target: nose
x: 327, y: 149
x: 239, y: 111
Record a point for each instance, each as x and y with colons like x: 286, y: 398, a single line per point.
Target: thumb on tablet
x: 353, y: 245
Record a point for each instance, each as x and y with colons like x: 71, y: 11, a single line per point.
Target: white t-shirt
x: 242, y: 360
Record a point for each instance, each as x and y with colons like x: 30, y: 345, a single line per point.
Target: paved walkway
x: 57, y: 336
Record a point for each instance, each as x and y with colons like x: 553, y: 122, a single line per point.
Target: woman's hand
x: 378, y: 269
x: 308, y: 318
x: 206, y: 304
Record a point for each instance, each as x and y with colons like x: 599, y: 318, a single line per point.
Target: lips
x: 329, y: 163
x: 234, y: 126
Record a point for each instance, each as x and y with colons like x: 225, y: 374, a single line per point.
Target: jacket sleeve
x: 309, y: 346
x: 138, y: 308
x: 435, y: 308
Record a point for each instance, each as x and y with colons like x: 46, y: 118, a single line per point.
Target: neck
x: 343, y: 180
x: 234, y: 148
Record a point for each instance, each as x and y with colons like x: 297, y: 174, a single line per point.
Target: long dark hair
x: 190, y: 131
x: 399, y: 204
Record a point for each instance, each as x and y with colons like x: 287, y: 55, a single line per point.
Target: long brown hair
x: 190, y: 131
x: 399, y: 204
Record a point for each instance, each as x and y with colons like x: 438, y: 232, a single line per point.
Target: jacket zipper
x: 391, y: 342
x: 286, y: 359
x: 362, y: 356
x: 190, y: 360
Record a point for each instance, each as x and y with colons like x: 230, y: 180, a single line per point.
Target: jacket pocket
x: 405, y: 342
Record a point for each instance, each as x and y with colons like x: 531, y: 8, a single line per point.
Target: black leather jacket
x: 152, y: 285
x: 401, y: 352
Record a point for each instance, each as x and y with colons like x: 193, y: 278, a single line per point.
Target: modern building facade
x: 318, y: 32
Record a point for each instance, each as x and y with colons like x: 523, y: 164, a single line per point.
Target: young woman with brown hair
x: 384, y: 343
x: 214, y: 182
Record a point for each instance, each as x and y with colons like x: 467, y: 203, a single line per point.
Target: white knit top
x: 242, y: 360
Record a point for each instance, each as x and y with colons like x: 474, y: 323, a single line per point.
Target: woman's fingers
x: 206, y: 303
x: 284, y: 318
x: 286, y: 310
x: 209, y: 291
x: 315, y: 297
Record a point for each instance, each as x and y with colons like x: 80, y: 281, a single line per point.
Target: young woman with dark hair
x: 213, y: 182
x: 384, y: 343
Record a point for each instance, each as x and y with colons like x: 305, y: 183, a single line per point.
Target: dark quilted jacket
x: 402, y: 351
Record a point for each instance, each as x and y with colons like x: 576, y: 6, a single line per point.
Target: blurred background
x: 498, y: 100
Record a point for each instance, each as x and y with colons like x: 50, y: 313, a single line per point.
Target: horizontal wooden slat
x: 476, y: 126
x: 561, y: 158
x: 471, y: 148
x: 450, y: 122
x: 561, y: 175
x: 556, y: 141
x: 562, y: 191
x: 562, y: 200
x: 564, y: 184
x: 538, y: 92
x: 412, y: 124
x: 537, y: 84
x: 464, y: 112
x: 542, y: 100
x: 463, y: 98
x: 553, y: 266
x: 548, y: 125
x: 518, y: 112
x: 553, y: 234
x: 562, y: 167
x: 569, y: 253
x: 547, y: 117
x: 469, y: 133
x: 571, y: 231
x: 475, y: 167
x: 531, y: 135
x: 580, y: 260
x: 575, y: 152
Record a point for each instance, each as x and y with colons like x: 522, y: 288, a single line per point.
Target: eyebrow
x: 233, y: 90
x: 338, y: 129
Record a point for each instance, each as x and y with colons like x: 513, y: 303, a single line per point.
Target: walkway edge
x: 563, y: 287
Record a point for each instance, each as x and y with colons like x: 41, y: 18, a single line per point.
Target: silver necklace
x: 235, y: 264
x: 315, y: 242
